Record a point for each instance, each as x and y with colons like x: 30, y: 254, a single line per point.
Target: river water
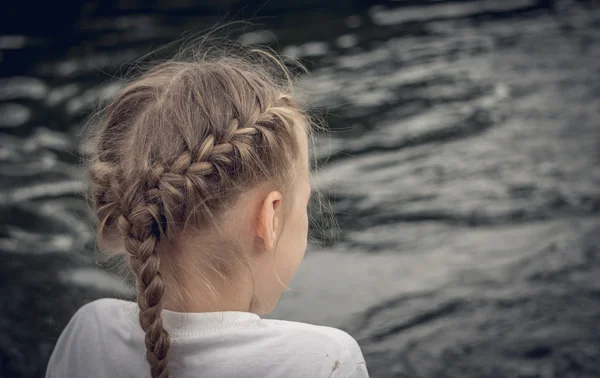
x: 463, y: 166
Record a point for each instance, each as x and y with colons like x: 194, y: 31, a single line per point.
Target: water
x: 463, y: 165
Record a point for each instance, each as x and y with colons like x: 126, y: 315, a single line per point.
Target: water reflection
x: 462, y: 164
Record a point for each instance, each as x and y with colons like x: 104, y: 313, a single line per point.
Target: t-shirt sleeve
x: 352, y: 363
x: 66, y: 355
x: 359, y: 371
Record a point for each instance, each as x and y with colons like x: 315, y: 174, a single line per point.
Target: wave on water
x: 462, y: 165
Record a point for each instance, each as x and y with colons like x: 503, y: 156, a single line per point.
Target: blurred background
x: 463, y: 166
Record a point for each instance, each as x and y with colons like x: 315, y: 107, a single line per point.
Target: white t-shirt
x: 104, y: 339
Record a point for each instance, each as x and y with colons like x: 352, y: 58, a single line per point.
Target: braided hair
x: 175, y: 147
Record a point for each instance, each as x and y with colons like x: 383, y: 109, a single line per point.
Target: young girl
x: 199, y: 175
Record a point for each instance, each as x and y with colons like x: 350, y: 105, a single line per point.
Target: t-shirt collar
x: 196, y: 321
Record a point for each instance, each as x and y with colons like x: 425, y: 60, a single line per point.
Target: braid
x: 200, y: 172
x: 178, y: 145
x: 101, y: 174
x: 139, y: 230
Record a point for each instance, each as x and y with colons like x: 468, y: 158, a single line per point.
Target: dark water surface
x: 464, y: 169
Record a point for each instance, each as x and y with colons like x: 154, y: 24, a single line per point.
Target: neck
x: 205, y: 294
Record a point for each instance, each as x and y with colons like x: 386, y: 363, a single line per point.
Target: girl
x: 199, y: 175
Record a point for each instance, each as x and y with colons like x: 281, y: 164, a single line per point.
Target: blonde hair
x: 176, y: 147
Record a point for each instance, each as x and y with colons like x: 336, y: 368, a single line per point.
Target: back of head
x: 178, y: 145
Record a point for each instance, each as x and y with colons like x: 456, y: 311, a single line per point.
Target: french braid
x: 178, y: 144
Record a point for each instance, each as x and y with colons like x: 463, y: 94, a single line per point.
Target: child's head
x: 200, y: 173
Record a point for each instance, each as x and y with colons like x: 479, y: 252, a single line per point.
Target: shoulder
x: 331, y: 335
x: 104, y: 306
x: 82, y: 337
x: 92, y: 316
x: 334, y: 348
x: 96, y: 311
x: 95, y: 318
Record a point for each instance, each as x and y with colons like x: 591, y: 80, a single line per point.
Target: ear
x: 269, y: 218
